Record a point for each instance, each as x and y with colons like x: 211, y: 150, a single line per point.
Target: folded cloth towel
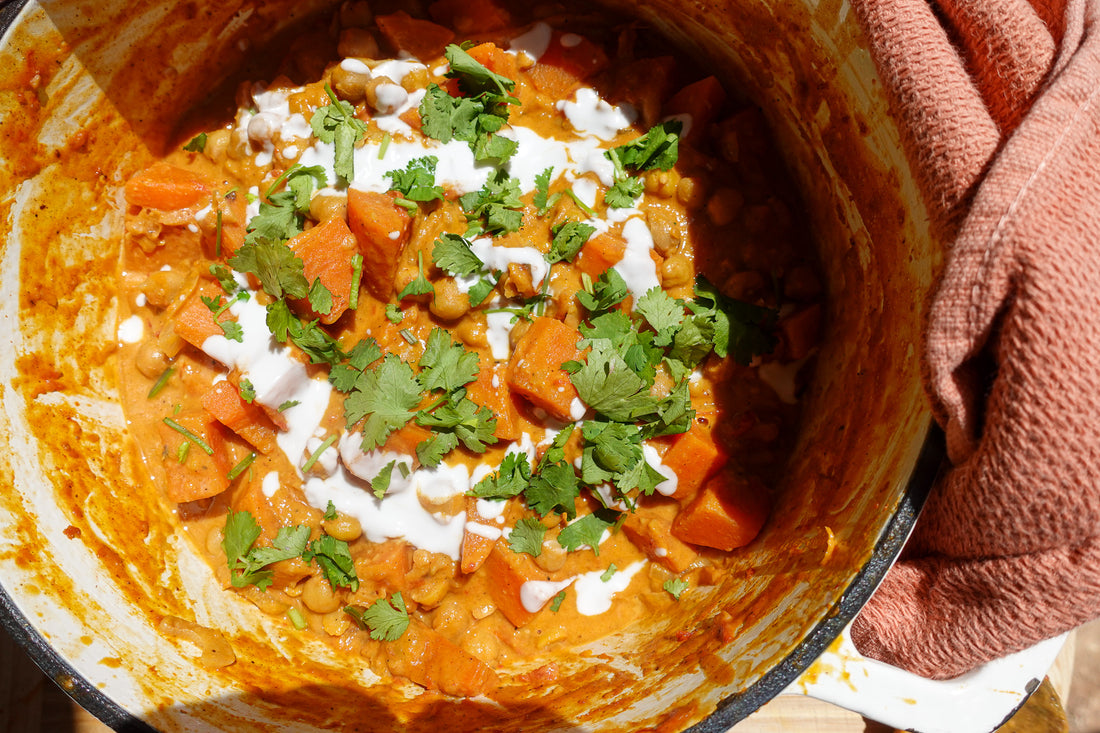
x: 999, y: 106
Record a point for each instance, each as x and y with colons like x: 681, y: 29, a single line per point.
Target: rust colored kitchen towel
x: 999, y: 105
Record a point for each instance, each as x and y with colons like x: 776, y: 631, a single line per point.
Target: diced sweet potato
x: 166, y: 187
x: 565, y: 66
x: 194, y: 321
x: 701, y: 100
x: 382, y: 230
x: 801, y: 331
x: 507, y: 571
x: 495, y: 59
x: 427, y: 658
x: 475, y: 547
x: 268, y: 515
x: 421, y: 38
x: 727, y: 513
x: 599, y: 253
x: 535, y: 372
x: 694, y: 456
x: 471, y: 17
x: 386, y: 564
x: 649, y: 528
x: 201, y: 474
x: 490, y: 390
x: 327, y: 250
x: 224, y: 402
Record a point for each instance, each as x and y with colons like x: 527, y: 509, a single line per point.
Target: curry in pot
x: 476, y: 341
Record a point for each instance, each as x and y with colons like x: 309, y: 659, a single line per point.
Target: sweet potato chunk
x: 649, y: 528
x: 427, y: 658
x: 535, y: 372
x: 490, y: 390
x: 727, y: 513
x: 694, y: 457
x: 166, y: 187
x: 327, y: 250
x: 507, y: 572
x: 382, y: 230
x: 702, y: 101
x: 194, y: 321
x: 224, y: 402
x: 422, y: 38
x: 599, y: 253
x: 203, y: 472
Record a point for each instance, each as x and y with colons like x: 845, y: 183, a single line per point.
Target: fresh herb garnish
x: 386, y: 620
x: 197, y: 143
x: 527, y: 536
x: 338, y: 124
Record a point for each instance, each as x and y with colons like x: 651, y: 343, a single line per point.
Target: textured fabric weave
x: 999, y: 104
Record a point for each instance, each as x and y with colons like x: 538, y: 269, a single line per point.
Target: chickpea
x: 665, y: 228
x: 217, y: 143
x: 481, y: 642
x: 473, y: 330
x: 449, y: 302
x: 163, y: 286
x: 553, y: 555
x: 336, y: 623
x: 239, y: 146
x: 344, y: 527
x: 662, y: 183
x: 415, y: 79
x: 325, y: 206
x: 451, y: 617
x: 691, y: 192
x: 150, y: 360
x: 384, y: 95
x: 676, y: 270
x: 318, y: 596
x: 350, y: 79
x: 724, y: 205
x: 357, y: 43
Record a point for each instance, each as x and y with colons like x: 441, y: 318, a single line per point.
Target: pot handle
x: 976, y: 702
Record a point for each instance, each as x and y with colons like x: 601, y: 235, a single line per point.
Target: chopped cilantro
x: 386, y: 620
x: 555, y: 602
x: 511, y: 480
x: 473, y: 77
x: 604, y: 294
x: 247, y: 389
x: 296, y: 618
x: 609, y: 573
x: 278, y: 269
x: 316, y: 455
x: 569, y: 237
x: 453, y: 254
x: 541, y: 198
x: 330, y: 512
x: 658, y: 148
x: 445, y: 364
x: 608, y: 385
x: 320, y: 297
x: 162, y: 381
x: 480, y: 290
x: 393, y: 313
x: 623, y: 193
x: 386, y: 396
x: 675, y: 587
x: 197, y: 143
x: 421, y: 285
x: 472, y: 424
x: 241, y: 466
x: 527, y: 536
x: 497, y: 206
x: 189, y: 436
x: 430, y: 452
x: 247, y: 562
x: 338, y: 124
x: 588, y: 530
x: 417, y: 181
x: 334, y: 558
x: 380, y: 484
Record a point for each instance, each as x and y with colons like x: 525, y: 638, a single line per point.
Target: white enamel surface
x: 976, y: 702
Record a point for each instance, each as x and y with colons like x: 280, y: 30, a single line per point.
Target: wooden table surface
x: 31, y: 703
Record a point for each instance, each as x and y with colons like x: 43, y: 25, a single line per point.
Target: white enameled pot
x: 91, y: 558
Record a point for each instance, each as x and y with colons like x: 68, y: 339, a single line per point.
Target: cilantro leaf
x: 480, y: 290
x: 385, y: 396
x: 290, y: 542
x: 381, y: 483
x: 417, y: 181
x: 278, y: 269
x: 445, y: 118
x: 569, y: 237
x: 541, y: 198
x: 394, y: 314
x: 302, y: 181
x: 364, y: 353
x: 197, y: 144
x: 623, y: 193
x: 587, y: 530
x: 604, y: 294
x: 453, y: 254
x: 330, y: 512
x: 497, y: 206
x: 430, y: 452
x: 553, y: 489
x: 658, y: 148
x: 473, y: 77
x: 320, y: 297
x: 527, y: 536
x: 609, y: 386
x: 224, y: 276
x: 247, y: 390
x: 472, y: 424
x: 386, y: 620
x: 662, y: 312
x: 675, y: 587
x: 338, y: 124
x: 555, y: 602
x: 334, y: 558
x: 609, y: 573
x: 421, y: 285
x: 246, y: 562
x: 240, y: 532
x: 445, y: 364
x: 741, y: 329
x: 510, y: 480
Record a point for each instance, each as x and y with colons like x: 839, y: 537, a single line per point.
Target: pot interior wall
x: 91, y: 555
